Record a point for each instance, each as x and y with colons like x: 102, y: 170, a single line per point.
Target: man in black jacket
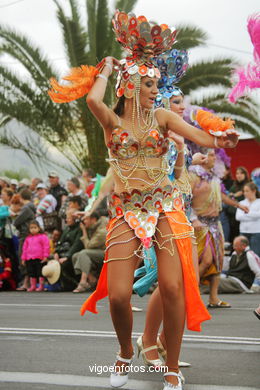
x: 244, y: 267
x: 56, y: 189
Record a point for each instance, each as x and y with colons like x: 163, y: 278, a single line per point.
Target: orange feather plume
x: 81, y: 81
x: 212, y: 123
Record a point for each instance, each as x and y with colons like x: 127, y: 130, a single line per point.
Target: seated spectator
x: 74, y: 189
x: 55, y: 238
x: 47, y: 205
x: 56, y: 189
x: 7, y: 280
x: 69, y: 244
x: 250, y: 222
x: 244, y: 267
x: 94, y: 238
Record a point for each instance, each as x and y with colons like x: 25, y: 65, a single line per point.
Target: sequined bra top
x: 131, y: 159
x: 123, y: 146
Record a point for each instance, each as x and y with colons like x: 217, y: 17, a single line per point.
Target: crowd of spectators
x: 45, y: 245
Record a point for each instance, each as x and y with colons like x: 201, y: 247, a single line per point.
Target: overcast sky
x: 224, y: 21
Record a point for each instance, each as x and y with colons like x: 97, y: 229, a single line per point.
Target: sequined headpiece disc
x: 172, y: 65
x: 143, y: 41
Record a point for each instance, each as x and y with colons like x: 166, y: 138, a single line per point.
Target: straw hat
x: 52, y: 271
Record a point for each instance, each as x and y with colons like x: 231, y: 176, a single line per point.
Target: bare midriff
x: 207, y: 199
x: 141, y: 173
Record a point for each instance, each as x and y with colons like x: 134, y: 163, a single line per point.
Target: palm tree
x: 70, y: 127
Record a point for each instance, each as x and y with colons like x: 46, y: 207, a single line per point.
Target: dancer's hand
x: 244, y: 208
x: 197, y: 224
x: 113, y: 62
x: 178, y: 139
x: 229, y: 139
x: 199, y: 159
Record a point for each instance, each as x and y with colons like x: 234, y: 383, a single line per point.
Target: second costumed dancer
x: 146, y: 207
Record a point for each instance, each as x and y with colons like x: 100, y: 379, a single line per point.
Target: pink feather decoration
x: 249, y: 77
x: 253, y: 27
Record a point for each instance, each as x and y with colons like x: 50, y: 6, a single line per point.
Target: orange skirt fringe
x: 196, y: 311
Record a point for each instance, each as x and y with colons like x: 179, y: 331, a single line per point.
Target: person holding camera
x: 69, y: 244
x: 94, y: 238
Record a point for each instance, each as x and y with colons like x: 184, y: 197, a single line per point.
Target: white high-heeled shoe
x: 163, y: 354
x: 119, y: 379
x: 142, y: 350
x: 169, y: 386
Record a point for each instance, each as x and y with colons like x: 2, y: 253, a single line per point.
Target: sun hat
x: 53, y: 174
x: 14, y: 181
x: 41, y: 185
x: 52, y: 271
x: 25, y: 181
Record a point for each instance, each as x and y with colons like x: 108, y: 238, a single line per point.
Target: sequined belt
x: 141, y: 209
x: 209, y: 220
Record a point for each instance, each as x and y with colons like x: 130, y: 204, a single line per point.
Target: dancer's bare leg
x: 195, y: 259
x: 153, y: 320
x: 206, y: 261
x: 171, y: 287
x: 154, y: 314
x: 213, y: 289
x: 120, y: 285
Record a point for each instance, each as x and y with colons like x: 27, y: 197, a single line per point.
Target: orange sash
x: 195, y: 308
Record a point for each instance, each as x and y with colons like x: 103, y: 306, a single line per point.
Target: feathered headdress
x: 142, y: 40
x: 172, y: 65
x: 249, y: 77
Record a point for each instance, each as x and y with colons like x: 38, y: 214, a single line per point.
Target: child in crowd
x: 55, y: 238
x: 7, y: 281
x: 36, y: 249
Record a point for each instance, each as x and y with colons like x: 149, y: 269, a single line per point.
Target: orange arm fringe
x: 209, y: 121
x: 81, y: 81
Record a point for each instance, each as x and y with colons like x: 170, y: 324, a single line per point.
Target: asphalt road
x: 46, y: 345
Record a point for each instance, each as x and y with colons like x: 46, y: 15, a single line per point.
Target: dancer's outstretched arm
x: 171, y: 121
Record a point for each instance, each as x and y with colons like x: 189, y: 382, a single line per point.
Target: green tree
x: 18, y: 175
x: 71, y: 128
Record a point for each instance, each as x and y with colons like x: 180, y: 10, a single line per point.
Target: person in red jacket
x: 36, y: 249
x: 7, y: 281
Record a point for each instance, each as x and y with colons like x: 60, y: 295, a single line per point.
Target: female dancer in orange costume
x: 146, y: 207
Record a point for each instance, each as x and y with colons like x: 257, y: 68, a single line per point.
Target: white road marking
x: 99, y: 306
x: 111, y: 334
x: 97, y: 381
x: 77, y: 306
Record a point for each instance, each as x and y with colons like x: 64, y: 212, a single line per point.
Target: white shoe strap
x: 149, y: 349
x: 172, y: 374
x: 118, y: 357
